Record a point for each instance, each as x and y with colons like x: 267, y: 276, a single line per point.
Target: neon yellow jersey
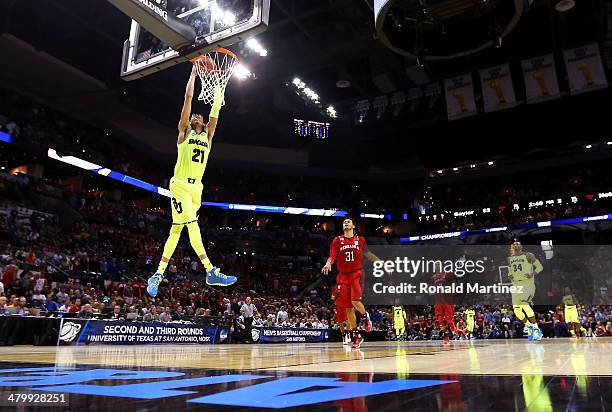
x: 469, y: 315
x: 520, y: 268
x: 398, y: 314
x: 192, y: 157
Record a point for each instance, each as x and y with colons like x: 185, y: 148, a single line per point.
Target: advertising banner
x: 287, y: 335
x: 81, y: 331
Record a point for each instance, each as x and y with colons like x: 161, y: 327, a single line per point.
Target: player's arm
x: 366, y: 251
x: 371, y: 256
x: 333, y: 253
x: 537, y: 266
x: 186, y: 111
x: 213, y: 118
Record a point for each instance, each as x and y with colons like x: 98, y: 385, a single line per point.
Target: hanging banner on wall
x: 497, y: 88
x: 460, y: 101
x: 541, y: 82
x: 584, y: 69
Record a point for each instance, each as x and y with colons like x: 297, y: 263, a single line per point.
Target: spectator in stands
x: 86, y: 312
x: 151, y: 315
x: 164, y: 316
x: 117, y: 313
x: 22, y: 308
x: 178, y: 314
x: 2, y: 305
x: 65, y: 305
x: 600, y: 330
x: 1, y: 288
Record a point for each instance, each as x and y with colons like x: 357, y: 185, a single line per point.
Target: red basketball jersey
x: 347, y: 252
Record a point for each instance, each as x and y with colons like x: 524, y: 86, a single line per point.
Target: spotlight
x: 589, y: 146
x: 242, y: 72
x: 256, y: 47
x: 490, y: 163
x: 331, y: 111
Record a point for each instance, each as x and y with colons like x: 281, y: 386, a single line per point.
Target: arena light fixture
x: 254, y: 45
x: 310, y: 95
x: 491, y: 163
x: 242, y: 72
x: 331, y: 111
x: 565, y: 5
x: 589, y: 146
x: 609, y: 143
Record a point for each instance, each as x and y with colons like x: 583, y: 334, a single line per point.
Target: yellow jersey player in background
x: 522, y: 269
x: 570, y: 313
x: 470, y: 315
x: 399, y: 321
x: 194, y: 143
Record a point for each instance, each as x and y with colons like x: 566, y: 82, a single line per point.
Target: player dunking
x: 346, y: 251
x: 194, y: 143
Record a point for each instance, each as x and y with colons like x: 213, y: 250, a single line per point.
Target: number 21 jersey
x: 192, y: 157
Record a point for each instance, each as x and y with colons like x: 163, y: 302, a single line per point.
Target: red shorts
x: 342, y: 301
x: 445, y: 314
x: 353, y: 282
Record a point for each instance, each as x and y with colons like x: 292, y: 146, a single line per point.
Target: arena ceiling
x: 322, y: 42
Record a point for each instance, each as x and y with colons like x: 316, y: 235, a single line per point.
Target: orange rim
x: 220, y: 50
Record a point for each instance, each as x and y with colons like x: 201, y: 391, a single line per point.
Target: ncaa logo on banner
x: 69, y: 331
x: 255, y: 335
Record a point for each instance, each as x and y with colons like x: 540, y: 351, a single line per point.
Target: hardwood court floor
x: 560, y: 374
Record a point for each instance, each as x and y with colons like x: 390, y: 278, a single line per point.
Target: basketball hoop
x: 214, y: 70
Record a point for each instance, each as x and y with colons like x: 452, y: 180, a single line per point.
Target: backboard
x: 217, y: 23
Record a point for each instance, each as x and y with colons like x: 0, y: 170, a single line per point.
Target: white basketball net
x: 215, y: 69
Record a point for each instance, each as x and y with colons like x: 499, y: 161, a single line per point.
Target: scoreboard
x: 306, y: 128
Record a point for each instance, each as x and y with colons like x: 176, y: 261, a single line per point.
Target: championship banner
x: 497, y: 88
x: 287, y: 335
x: 460, y: 101
x: 80, y: 331
x: 584, y: 69
x: 541, y: 82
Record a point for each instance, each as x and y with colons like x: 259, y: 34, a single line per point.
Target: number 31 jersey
x: 347, y: 252
x: 192, y: 157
